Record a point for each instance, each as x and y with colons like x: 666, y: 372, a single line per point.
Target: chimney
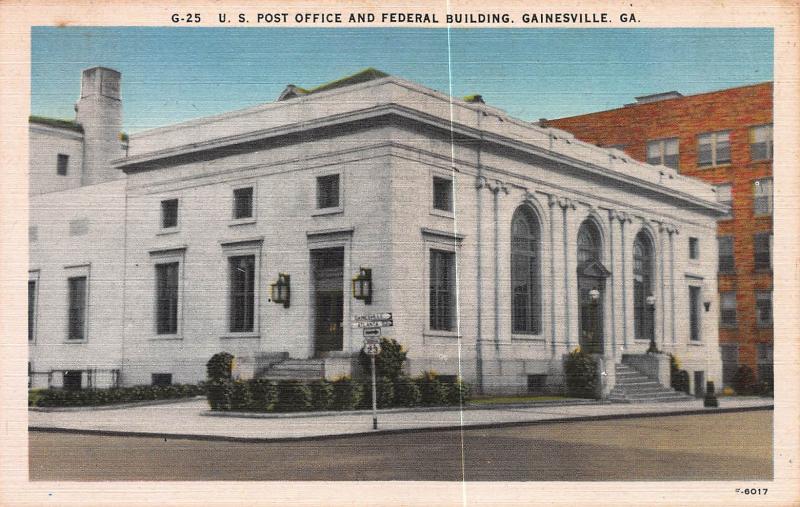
x: 99, y: 111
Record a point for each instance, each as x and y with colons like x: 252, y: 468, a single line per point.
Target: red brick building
x: 725, y: 138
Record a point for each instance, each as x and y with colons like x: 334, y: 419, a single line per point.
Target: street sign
x: 372, y: 332
x: 372, y: 320
x: 372, y: 349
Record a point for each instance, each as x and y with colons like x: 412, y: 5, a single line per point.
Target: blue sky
x: 175, y: 74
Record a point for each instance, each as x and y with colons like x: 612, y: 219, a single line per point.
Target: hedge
x: 97, y: 397
x: 581, y: 375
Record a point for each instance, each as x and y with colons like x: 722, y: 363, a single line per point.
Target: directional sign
x: 372, y: 320
x: 372, y: 349
x: 372, y: 333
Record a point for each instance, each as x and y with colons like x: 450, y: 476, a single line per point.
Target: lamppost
x: 594, y: 296
x: 651, y: 305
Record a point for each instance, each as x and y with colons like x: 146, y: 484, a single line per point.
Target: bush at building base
x: 219, y: 395
x: 95, y: 397
x: 678, y: 379
x: 321, y: 394
x: 389, y: 363
x: 219, y: 367
x: 457, y: 392
x: 744, y: 381
x: 263, y: 395
x: 346, y: 393
x: 433, y: 392
x: 581, y: 375
x: 241, y: 397
x: 406, y: 393
x: 293, y: 396
x: 385, y: 393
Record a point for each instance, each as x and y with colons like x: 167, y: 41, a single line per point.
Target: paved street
x: 693, y: 447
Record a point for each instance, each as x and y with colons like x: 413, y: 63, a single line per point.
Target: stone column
x: 569, y: 249
x: 623, y: 267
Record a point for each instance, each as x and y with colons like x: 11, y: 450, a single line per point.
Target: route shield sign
x: 372, y: 349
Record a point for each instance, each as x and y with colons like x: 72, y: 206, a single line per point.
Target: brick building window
x: 726, y: 260
x: 725, y: 196
x: 77, y: 308
x: 762, y: 251
x: 762, y: 196
x: 694, y: 248
x: 169, y: 213
x: 713, y: 148
x: 761, y: 142
x: 764, y: 308
x: 443, y: 194
x: 663, y: 152
x: 62, y: 163
x: 243, y: 203
x: 328, y: 191
x: 727, y: 309
x: 442, y: 290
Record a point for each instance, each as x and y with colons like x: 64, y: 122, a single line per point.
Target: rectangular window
x: 242, y: 293
x: 725, y: 196
x: 161, y: 379
x: 443, y: 194
x: 62, y: 164
x: 442, y: 290
x: 243, y: 203
x: 727, y: 310
x: 663, y: 152
x: 762, y: 197
x: 31, y: 308
x: 764, y: 309
x: 726, y: 259
x: 761, y: 142
x: 328, y: 191
x: 77, y: 308
x: 167, y: 298
x: 169, y: 213
x: 73, y: 380
x: 694, y: 314
x: 762, y: 255
x: 694, y: 248
x: 713, y: 148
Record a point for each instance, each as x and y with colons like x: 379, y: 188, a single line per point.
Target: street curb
x: 558, y: 420
x: 399, y: 410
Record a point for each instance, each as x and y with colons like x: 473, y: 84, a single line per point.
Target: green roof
x: 361, y: 76
x: 57, y: 123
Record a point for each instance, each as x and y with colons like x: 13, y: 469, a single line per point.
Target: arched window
x: 642, y: 286
x: 588, y: 243
x: 526, y: 307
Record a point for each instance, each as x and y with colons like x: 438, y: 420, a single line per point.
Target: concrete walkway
x: 190, y: 419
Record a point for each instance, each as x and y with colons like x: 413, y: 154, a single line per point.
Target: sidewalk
x: 192, y: 419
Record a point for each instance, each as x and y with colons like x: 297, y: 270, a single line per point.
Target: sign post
x: 372, y: 348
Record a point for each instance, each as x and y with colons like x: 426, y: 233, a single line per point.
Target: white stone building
x: 497, y: 245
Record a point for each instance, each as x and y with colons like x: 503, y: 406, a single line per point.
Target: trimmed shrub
x: 744, y: 380
x: 219, y: 367
x: 346, y: 394
x: 389, y: 363
x: 219, y: 395
x: 682, y: 382
x: 95, y: 397
x: 433, y: 392
x: 241, y: 397
x: 263, y: 395
x: 321, y: 394
x: 581, y: 375
x: 457, y: 392
x: 293, y: 396
x: 385, y: 393
x: 406, y: 393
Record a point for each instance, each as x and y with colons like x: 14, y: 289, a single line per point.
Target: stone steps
x: 633, y: 387
x: 296, y: 369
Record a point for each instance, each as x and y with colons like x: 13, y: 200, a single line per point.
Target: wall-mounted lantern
x: 707, y: 296
x: 281, y: 290
x: 362, y: 285
x: 594, y: 294
x: 707, y: 304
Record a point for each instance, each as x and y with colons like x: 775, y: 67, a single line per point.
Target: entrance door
x: 591, y: 314
x: 327, y: 268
